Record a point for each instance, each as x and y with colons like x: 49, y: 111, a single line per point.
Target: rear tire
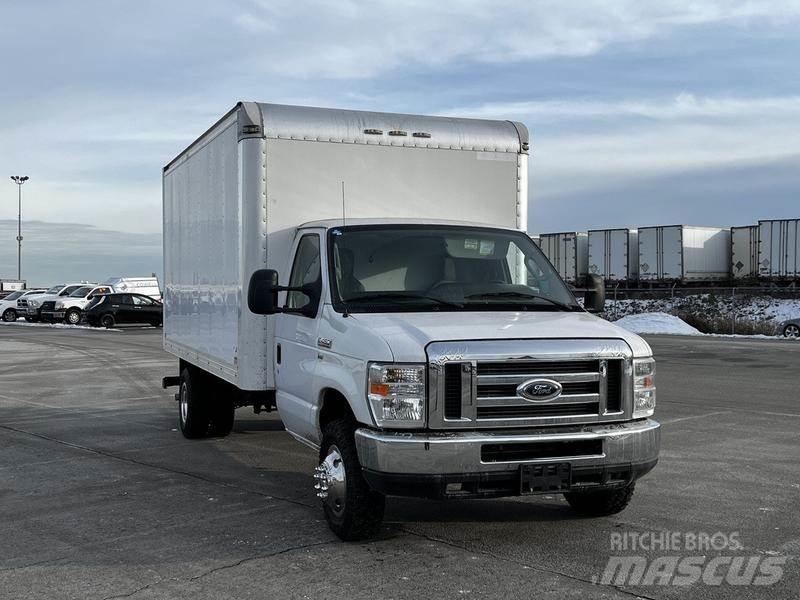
x: 353, y: 510
x: 193, y: 417
x: 107, y: 321
x: 73, y: 316
x: 10, y: 315
x: 600, y: 503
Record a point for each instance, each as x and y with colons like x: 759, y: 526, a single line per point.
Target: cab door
x: 296, y: 349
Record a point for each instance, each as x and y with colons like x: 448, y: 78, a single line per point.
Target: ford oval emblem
x: 539, y: 390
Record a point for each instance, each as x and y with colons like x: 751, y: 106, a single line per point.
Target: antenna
x: 344, y: 214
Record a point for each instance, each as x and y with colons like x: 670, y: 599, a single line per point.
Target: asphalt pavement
x: 101, y: 497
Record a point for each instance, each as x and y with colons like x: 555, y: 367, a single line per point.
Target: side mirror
x: 262, y: 293
x: 594, y: 299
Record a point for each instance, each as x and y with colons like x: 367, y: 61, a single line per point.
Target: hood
x: 44, y: 298
x: 407, y: 334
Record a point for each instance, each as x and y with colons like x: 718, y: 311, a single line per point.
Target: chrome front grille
x: 474, y: 384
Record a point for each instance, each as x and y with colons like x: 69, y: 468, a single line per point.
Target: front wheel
x: 10, y: 315
x: 600, y: 503
x: 107, y: 321
x: 73, y: 316
x: 791, y: 331
x: 352, y: 509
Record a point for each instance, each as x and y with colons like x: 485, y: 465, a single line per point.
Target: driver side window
x: 306, y: 271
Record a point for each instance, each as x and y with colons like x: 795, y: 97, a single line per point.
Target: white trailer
x: 684, y: 253
x: 569, y: 254
x: 614, y: 254
x: 779, y: 249
x: 147, y: 286
x: 744, y: 252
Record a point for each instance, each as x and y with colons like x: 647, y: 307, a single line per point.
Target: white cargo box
x: 234, y: 198
x: 614, y: 254
x: 684, y: 253
x: 569, y: 254
x: 779, y: 247
x: 744, y: 252
x: 147, y: 286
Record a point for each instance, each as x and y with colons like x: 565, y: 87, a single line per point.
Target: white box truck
x: 614, y: 254
x: 744, y: 252
x: 684, y: 253
x: 779, y: 249
x: 569, y: 254
x: 418, y: 356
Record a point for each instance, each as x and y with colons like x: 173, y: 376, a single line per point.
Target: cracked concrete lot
x: 101, y: 497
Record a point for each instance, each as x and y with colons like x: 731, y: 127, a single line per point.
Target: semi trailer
x: 569, y: 254
x: 684, y: 254
x: 614, y: 254
x: 312, y: 264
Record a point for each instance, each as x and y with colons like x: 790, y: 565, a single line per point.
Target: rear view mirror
x: 262, y: 293
x: 594, y: 299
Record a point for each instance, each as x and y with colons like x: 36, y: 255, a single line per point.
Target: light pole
x: 19, y: 180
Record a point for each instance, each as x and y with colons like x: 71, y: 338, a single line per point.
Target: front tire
x: 73, y: 316
x: 352, y: 509
x: 10, y: 315
x: 600, y: 503
x: 193, y: 416
x: 791, y: 331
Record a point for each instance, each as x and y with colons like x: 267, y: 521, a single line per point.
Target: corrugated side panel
x: 203, y: 269
x: 304, y: 183
x: 744, y: 252
x: 706, y: 253
x: 779, y: 249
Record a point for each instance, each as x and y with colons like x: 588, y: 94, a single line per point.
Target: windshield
x: 55, y: 289
x: 13, y: 296
x: 81, y: 292
x: 423, y: 268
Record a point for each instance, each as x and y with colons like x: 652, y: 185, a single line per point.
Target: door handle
x: 324, y: 342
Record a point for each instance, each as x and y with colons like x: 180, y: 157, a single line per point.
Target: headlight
x: 59, y: 305
x: 33, y: 303
x: 396, y: 394
x: 644, y: 387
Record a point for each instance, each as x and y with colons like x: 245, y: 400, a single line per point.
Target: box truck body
x: 569, y: 254
x: 779, y: 249
x: 744, y: 252
x: 233, y: 200
x: 614, y: 254
x: 684, y: 253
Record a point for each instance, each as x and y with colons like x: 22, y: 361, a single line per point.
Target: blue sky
x: 640, y: 113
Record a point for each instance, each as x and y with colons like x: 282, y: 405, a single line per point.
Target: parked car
x: 10, y: 307
x: 69, y: 308
x: 791, y: 328
x: 112, y: 309
x: 33, y: 307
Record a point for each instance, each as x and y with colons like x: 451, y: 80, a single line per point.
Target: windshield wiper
x: 562, y: 305
x: 401, y: 296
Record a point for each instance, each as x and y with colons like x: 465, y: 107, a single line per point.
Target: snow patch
x: 53, y: 326
x: 656, y: 322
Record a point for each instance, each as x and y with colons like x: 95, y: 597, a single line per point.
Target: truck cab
x: 69, y: 308
x: 312, y: 264
x: 33, y: 306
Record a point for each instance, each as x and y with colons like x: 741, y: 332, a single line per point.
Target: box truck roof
x: 308, y: 123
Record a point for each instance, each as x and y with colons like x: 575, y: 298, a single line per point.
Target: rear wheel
x: 193, y: 416
x: 791, y: 331
x: 73, y: 316
x: 107, y: 321
x: 9, y: 315
x: 600, y: 503
x: 352, y: 509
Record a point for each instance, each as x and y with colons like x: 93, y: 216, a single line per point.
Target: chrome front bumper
x: 460, y: 452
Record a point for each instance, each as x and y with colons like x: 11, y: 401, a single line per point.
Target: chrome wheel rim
x: 73, y: 317
x: 10, y: 315
x: 184, y: 403
x: 332, y: 481
x: 792, y: 331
